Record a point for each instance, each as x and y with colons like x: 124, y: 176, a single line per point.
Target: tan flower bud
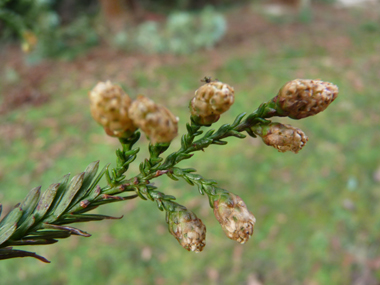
x: 281, y: 136
x: 232, y: 214
x: 185, y: 226
x: 211, y: 100
x: 158, y: 123
x: 301, y: 98
x: 109, y: 107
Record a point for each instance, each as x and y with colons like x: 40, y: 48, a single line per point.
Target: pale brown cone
x: 283, y: 137
x: 109, y: 107
x: 190, y: 232
x: 211, y: 100
x: 157, y: 122
x: 232, y: 214
x: 301, y: 98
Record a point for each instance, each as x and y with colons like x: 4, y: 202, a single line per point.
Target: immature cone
x: 185, y: 226
x: 301, y: 98
x: 211, y: 100
x: 157, y: 122
x: 281, y: 136
x: 109, y: 107
x: 232, y: 214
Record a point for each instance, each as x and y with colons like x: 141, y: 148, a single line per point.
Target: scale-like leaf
x: 73, y: 188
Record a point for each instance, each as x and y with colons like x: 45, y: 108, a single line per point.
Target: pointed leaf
x: 73, y: 188
x: 171, y: 176
x: 23, y: 228
x: 38, y: 241
x: 8, y: 252
x: 29, y: 204
x: 45, y: 201
x: 189, y: 129
x: 72, y: 230
x: 209, y: 133
x: 95, y: 182
x: 219, y: 142
x: 238, y: 120
x: 85, y: 218
x: 89, y: 175
x: 11, y: 218
x: 6, y: 232
x: 45, y: 234
x: 63, y: 183
x: 159, y: 205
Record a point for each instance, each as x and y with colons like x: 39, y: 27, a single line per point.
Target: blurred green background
x: 318, y: 214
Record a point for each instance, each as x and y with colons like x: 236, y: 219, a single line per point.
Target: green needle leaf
x: 45, y: 201
x: 29, y: 204
x: 11, y: 218
x: 73, y: 188
x: 90, y: 173
x: 6, y: 232
x: 8, y: 252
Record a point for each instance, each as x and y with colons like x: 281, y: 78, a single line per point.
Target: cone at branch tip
x: 301, y: 98
x: 232, y: 214
x: 187, y: 228
x: 157, y: 122
x: 211, y: 100
x: 109, y: 107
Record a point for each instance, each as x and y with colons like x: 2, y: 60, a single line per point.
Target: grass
x: 317, y: 212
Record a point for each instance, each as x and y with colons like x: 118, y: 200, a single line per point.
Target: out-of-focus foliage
x: 155, y: 5
x: 182, y: 33
x: 39, y: 25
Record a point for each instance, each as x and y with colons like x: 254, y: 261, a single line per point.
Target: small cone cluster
x: 114, y: 110
x: 281, y: 136
x: 156, y: 121
x: 187, y: 228
x: 232, y: 214
x: 211, y: 100
x: 301, y: 98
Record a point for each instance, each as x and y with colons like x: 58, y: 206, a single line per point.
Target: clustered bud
x: 301, y: 98
x: 211, y: 100
x: 232, y: 214
x: 185, y: 226
x: 159, y: 124
x: 281, y: 136
x: 109, y: 107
